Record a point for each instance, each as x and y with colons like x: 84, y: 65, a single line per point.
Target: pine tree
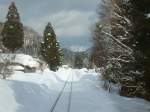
x: 50, y: 49
x: 113, y: 43
x: 139, y: 12
x: 100, y: 40
x: 12, y: 32
x: 123, y: 60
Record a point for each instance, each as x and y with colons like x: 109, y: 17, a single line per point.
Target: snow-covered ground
x: 37, y: 92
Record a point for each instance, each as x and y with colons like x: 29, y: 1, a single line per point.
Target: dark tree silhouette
x: 12, y: 33
x: 50, y: 49
x: 121, y: 45
x: 139, y: 11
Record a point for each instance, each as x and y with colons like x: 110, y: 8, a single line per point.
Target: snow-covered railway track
x: 70, y: 95
x: 67, y: 82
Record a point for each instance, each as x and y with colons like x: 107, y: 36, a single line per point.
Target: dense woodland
x: 122, y: 45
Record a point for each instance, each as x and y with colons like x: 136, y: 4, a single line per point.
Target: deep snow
x: 36, y: 92
x: 22, y: 59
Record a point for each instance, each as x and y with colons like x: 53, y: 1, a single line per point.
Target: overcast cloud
x: 71, y: 19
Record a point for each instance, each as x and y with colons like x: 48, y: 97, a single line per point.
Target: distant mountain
x: 77, y: 49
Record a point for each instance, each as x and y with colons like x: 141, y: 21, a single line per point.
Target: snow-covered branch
x: 120, y: 43
x: 119, y: 59
x: 123, y: 18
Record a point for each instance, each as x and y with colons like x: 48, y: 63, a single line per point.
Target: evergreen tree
x: 139, y: 11
x: 113, y: 43
x: 128, y: 61
x: 12, y: 32
x: 100, y: 47
x: 125, y: 73
x: 50, y: 49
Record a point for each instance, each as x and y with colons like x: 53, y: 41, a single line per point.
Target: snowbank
x: 22, y: 59
x: 26, y: 60
x: 36, y: 92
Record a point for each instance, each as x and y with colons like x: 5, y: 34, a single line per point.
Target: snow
x: 36, y: 92
x: 15, y: 68
x: 78, y: 48
x: 7, y: 98
x: 26, y: 60
x: 49, y: 34
x: 22, y: 59
x: 148, y: 15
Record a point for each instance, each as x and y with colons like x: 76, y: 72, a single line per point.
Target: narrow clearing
x: 67, y: 90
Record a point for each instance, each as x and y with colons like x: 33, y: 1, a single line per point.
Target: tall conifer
x: 12, y: 32
x: 50, y: 49
x: 139, y: 11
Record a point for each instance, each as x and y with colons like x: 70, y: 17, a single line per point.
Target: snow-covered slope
x: 37, y: 92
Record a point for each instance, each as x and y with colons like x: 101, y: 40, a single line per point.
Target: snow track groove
x: 70, y: 95
x: 61, y: 93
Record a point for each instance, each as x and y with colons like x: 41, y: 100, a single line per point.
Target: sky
x: 71, y: 19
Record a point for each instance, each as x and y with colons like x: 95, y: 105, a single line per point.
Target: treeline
x: 122, y: 45
x: 77, y: 59
x: 13, y: 38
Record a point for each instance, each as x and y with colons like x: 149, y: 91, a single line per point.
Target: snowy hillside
x: 81, y: 92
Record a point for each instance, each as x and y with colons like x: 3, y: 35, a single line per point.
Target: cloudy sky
x: 71, y: 19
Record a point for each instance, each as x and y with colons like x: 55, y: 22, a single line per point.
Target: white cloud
x: 71, y: 19
x: 71, y: 23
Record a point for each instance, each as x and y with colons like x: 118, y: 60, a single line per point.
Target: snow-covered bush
x: 20, y: 62
x: 5, y: 71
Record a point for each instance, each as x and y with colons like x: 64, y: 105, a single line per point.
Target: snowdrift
x: 20, y: 61
x: 37, y: 92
